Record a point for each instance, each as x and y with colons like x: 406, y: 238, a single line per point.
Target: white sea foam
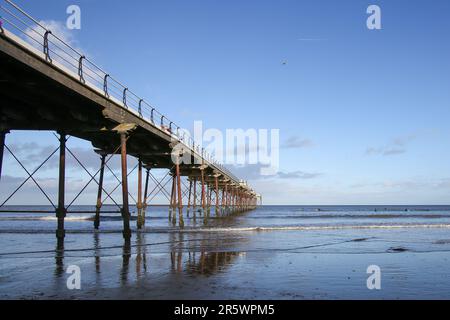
x: 306, y: 228
x: 68, y: 218
x: 46, y: 218
x: 242, y: 229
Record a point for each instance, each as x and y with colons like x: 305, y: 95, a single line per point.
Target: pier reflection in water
x: 139, y: 255
x: 201, y: 257
x: 59, y: 259
x: 127, y: 263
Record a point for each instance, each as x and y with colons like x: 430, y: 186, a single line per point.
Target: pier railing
x: 57, y: 51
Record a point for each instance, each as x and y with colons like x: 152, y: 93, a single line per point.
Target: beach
x: 224, y: 150
x: 270, y: 253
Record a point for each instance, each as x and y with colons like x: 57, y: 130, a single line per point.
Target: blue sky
x: 366, y: 111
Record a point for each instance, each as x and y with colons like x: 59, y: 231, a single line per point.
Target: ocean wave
x: 46, y: 218
x: 365, y: 216
x: 321, y: 227
x: 239, y: 229
x: 370, y: 209
x: 277, y: 217
x: 68, y: 218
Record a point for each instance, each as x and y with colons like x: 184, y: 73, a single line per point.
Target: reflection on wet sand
x: 59, y: 259
x: 97, y: 252
x: 210, y: 262
x: 126, y: 254
x: 176, y: 252
x: 140, y: 253
x: 199, y: 261
x: 185, y: 254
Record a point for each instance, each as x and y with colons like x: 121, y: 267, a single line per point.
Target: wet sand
x: 328, y: 264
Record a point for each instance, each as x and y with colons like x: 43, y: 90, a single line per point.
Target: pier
x: 47, y: 85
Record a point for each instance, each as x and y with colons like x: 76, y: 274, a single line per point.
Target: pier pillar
x: 222, y: 204
x: 61, y: 210
x: 144, y: 209
x: 195, y: 195
x: 239, y: 201
x: 99, y: 193
x: 216, y: 182
x: 225, y: 197
x: 180, y: 197
x: 2, y: 148
x: 231, y: 199
x: 139, y: 205
x: 189, y: 197
x: 173, y: 201
x: 203, y: 190
x: 208, y: 195
x: 125, y: 209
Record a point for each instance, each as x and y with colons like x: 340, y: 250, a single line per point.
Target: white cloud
x: 395, y: 147
x: 296, y: 142
x: 57, y: 28
x: 62, y: 43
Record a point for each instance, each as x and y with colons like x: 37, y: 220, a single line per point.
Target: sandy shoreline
x: 275, y: 265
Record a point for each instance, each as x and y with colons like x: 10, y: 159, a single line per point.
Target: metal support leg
x: 208, y: 195
x: 230, y: 201
x: 194, y: 205
x: 180, y: 198
x: 61, y: 210
x: 145, y: 196
x: 189, y: 197
x: 125, y: 209
x: 203, y: 191
x: 233, y: 201
x: 173, y: 200
x: 139, y: 205
x: 2, y: 148
x: 240, y: 202
x: 99, y: 193
x: 222, y: 205
x: 216, y: 180
x: 224, y: 198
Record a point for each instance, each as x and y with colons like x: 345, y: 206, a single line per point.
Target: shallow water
x: 274, y: 252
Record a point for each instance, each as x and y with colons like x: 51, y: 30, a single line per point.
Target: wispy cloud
x: 408, y: 184
x: 298, y: 175
x: 57, y: 28
x: 32, y: 154
x: 295, y: 142
x: 253, y: 172
x: 395, y: 147
x: 60, y: 37
x: 385, y: 151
